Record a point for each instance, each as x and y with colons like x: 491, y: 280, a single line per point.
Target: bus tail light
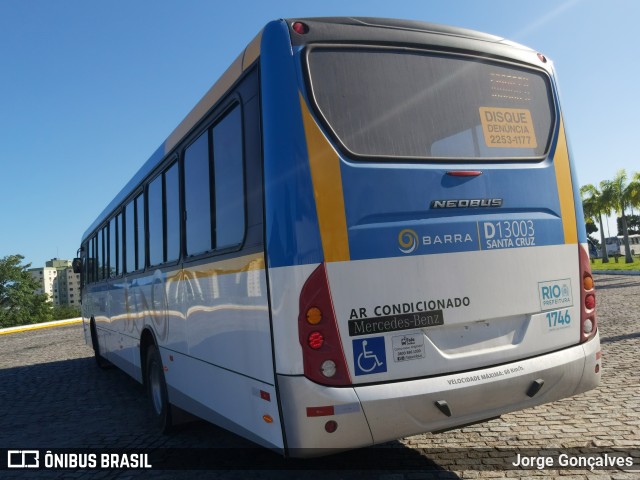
x: 315, y: 340
x: 588, y: 324
x: 322, y: 353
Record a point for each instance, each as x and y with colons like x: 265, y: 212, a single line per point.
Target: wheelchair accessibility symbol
x: 369, y: 356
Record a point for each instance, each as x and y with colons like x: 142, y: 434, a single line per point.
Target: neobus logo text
x: 467, y: 203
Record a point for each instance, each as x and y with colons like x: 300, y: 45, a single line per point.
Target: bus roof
x: 382, y: 28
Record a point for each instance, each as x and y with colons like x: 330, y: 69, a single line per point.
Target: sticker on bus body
x: 408, y: 347
x: 555, y: 294
x: 507, y: 127
x: 369, y: 356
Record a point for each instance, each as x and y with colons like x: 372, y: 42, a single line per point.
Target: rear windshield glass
x: 406, y: 103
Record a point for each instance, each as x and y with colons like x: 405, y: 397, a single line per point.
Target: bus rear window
x: 400, y: 103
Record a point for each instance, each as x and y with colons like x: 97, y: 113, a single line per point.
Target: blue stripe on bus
x: 292, y: 233
x: 493, y: 232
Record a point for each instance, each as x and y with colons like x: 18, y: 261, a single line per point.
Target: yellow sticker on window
x: 507, y: 127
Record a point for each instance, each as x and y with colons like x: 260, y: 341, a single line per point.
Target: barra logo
x: 407, y: 240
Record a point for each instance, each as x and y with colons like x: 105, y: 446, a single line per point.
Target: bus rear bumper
x: 375, y: 414
x: 408, y: 408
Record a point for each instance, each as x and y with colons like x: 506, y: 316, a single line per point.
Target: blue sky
x: 88, y: 90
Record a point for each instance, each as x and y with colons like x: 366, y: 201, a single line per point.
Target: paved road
x: 52, y: 396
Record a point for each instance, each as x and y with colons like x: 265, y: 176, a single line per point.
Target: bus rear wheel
x: 100, y: 360
x: 157, y: 390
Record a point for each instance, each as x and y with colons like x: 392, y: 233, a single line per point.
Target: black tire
x: 100, y: 360
x: 157, y: 390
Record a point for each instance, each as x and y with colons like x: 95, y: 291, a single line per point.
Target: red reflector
x: 590, y: 302
x: 300, y: 28
x: 315, y: 340
x: 331, y: 426
x: 265, y: 395
x: 464, y: 173
x: 320, y: 411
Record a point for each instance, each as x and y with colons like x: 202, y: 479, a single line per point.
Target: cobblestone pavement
x: 53, y: 396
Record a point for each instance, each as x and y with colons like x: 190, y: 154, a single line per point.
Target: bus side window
x: 172, y: 213
x: 197, y: 196
x: 164, y: 217
x: 140, y: 232
x: 130, y: 238
x: 156, y: 237
x: 112, y: 248
x: 92, y: 259
x: 120, y: 252
x: 229, y: 180
x: 100, y: 256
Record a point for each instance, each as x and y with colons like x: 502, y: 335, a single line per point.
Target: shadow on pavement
x: 74, y: 405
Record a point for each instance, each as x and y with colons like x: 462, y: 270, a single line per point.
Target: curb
x: 616, y: 272
x: 38, y: 326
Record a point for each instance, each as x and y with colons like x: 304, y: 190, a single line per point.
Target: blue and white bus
x: 366, y: 229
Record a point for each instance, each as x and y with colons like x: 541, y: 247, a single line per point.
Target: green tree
x: 63, y: 312
x: 622, y: 195
x: 19, y: 304
x: 594, y: 206
x: 591, y: 228
x: 633, y: 224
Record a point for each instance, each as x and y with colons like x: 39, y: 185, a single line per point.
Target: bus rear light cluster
x: 588, y: 325
x: 322, y: 353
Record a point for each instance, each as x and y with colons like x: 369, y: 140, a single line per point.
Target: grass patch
x: 612, y: 265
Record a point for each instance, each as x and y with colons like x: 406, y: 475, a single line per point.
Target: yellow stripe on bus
x: 565, y: 188
x: 327, y: 190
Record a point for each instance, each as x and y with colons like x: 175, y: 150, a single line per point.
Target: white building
x: 59, y: 282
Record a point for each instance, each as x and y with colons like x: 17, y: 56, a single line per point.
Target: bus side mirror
x: 77, y: 265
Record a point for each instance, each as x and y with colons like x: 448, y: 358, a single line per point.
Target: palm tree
x: 594, y: 206
x: 635, y: 191
x: 622, y: 196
